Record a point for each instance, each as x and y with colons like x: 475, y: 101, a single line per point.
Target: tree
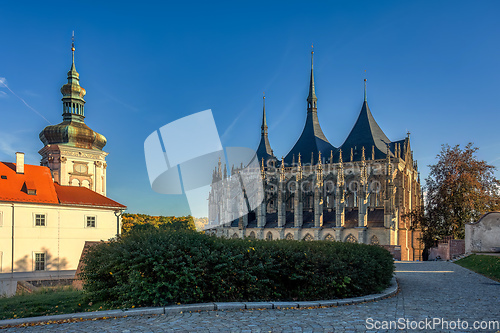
x: 460, y: 188
x: 143, y: 222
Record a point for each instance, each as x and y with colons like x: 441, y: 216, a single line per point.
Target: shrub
x: 162, y: 266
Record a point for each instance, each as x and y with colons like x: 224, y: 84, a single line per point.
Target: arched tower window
x: 308, y: 238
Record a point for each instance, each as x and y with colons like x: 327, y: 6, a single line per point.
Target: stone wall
x: 448, y: 249
x: 483, y: 235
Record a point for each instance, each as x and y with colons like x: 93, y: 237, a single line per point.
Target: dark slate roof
x: 264, y: 150
x: 312, y: 140
x: 365, y: 133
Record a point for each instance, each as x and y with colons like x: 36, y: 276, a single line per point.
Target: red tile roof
x: 14, y: 188
x: 73, y: 195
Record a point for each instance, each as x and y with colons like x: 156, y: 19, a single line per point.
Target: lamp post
x: 118, y: 213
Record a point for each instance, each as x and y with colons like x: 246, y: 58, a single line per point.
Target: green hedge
x: 161, y: 267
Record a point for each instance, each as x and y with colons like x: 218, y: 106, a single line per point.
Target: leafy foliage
x: 460, y: 189
x: 143, y: 221
x: 160, y: 267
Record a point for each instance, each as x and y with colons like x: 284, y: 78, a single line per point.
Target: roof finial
x: 311, y: 99
x: 73, y: 46
x: 264, y: 121
x: 365, y: 89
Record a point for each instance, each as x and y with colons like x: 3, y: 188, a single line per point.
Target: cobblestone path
x: 428, y: 290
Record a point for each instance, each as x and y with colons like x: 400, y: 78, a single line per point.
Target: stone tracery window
x: 351, y: 239
x: 289, y: 236
x: 329, y: 238
x: 374, y: 240
x: 308, y: 238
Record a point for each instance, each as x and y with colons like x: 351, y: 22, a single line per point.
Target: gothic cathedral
x: 358, y: 192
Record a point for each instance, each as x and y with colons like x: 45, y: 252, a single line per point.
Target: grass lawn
x: 46, y: 302
x: 488, y: 266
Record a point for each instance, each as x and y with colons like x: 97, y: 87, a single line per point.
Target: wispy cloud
x: 3, y: 94
x: 7, y: 144
x: 230, y: 127
x: 3, y: 83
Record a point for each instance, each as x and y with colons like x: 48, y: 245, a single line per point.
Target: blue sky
x: 432, y: 69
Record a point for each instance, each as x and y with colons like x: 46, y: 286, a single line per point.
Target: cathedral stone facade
x: 358, y: 192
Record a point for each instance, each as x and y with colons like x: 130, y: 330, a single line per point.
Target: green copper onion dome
x: 73, y: 131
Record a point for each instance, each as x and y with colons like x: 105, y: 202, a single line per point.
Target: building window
x: 351, y: 239
x: 40, y: 220
x: 374, y: 240
x: 1, y: 219
x: 308, y: 238
x: 289, y: 236
x: 90, y: 222
x: 269, y: 236
x: 40, y: 261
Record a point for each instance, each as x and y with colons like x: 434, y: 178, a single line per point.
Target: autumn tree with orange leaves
x: 460, y: 188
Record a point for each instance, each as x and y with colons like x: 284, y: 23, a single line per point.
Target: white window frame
x: 44, y: 261
x: 87, y: 221
x: 44, y: 222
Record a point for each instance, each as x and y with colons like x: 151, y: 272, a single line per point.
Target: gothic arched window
x: 289, y: 236
x: 351, y: 239
x: 308, y: 238
x: 252, y: 235
x: 235, y: 236
x: 374, y: 240
x: 329, y: 238
x: 269, y: 236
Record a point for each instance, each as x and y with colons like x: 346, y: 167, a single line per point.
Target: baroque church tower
x: 73, y: 152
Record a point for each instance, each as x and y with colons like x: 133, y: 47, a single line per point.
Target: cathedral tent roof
x: 365, y: 133
x: 311, y: 141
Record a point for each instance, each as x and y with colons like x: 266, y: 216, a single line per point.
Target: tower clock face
x: 81, y: 168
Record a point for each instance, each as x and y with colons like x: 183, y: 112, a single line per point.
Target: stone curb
x: 221, y: 306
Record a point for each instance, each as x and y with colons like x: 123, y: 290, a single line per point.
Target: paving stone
x: 230, y: 306
x: 308, y: 304
x: 188, y: 308
x: 285, y: 305
x: 258, y: 305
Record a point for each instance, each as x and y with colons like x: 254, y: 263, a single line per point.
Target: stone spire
x: 312, y: 99
x: 264, y: 150
x: 312, y: 139
x: 264, y: 121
